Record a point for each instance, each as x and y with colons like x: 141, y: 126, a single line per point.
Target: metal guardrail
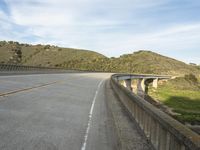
x: 163, y: 132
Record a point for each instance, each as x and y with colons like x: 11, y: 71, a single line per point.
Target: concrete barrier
x: 10, y: 69
x: 13, y: 67
x: 164, y: 132
x: 6, y: 69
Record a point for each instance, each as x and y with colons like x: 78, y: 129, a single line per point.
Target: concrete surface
x: 162, y: 131
x: 60, y: 112
x: 129, y: 135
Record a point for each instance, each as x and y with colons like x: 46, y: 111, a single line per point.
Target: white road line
x: 90, y: 118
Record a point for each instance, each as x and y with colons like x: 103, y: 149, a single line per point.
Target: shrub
x: 47, y: 46
x: 191, y: 77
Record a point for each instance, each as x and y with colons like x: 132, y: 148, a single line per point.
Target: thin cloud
x: 107, y: 26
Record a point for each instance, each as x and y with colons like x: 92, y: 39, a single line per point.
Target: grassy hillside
x: 140, y: 62
x: 53, y: 56
x: 198, y: 67
x: 150, y: 62
x: 57, y: 57
x: 46, y: 55
x: 182, y: 95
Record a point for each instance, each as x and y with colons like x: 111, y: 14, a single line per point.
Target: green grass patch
x: 182, y: 96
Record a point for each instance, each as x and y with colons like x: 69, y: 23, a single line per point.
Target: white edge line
x: 90, y: 118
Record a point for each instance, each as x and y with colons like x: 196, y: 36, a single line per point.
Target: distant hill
x: 150, y: 62
x: 45, y: 55
x: 52, y: 56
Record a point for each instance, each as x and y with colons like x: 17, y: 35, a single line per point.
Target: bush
x: 47, y: 46
x: 191, y: 77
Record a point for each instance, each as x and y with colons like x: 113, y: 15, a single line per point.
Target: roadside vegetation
x: 198, y: 67
x: 142, y: 61
x: 46, y: 55
x: 182, y: 95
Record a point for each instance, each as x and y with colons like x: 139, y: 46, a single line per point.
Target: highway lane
x: 58, y: 116
x: 16, y: 82
x: 69, y: 111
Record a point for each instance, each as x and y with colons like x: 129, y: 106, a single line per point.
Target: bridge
x: 143, y: 81
x: 55, y: 109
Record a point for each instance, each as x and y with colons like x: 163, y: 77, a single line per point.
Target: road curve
x: 56, y: 112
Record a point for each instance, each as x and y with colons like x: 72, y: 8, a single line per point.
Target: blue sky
x: 113, y: 28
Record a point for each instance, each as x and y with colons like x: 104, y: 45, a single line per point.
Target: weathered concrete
x: 143, y: 82
x: 128, y: 84
x: 55, y: 117
x: 11, y: 69
x: 129, y: 136
x: 163, y: 131
x: 155, y: 83
x: 141, y: 87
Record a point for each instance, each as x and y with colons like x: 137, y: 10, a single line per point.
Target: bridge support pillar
x: 128, y: 84
x: 141, y: 87
x: 155, y: 83
x: 123, y: 83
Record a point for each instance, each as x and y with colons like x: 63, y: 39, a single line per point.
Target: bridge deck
x: 63, y: 111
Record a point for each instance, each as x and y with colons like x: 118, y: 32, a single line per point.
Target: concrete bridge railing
x: 163, y: 132
x: 18, y: 69
x: 13, y: 67
x: 143, y: 82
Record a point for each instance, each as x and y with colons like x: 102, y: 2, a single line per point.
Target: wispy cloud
x: 110, y: 27
x: 3, y: 7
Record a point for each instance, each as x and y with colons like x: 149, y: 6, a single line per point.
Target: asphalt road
x: 56, y: 112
